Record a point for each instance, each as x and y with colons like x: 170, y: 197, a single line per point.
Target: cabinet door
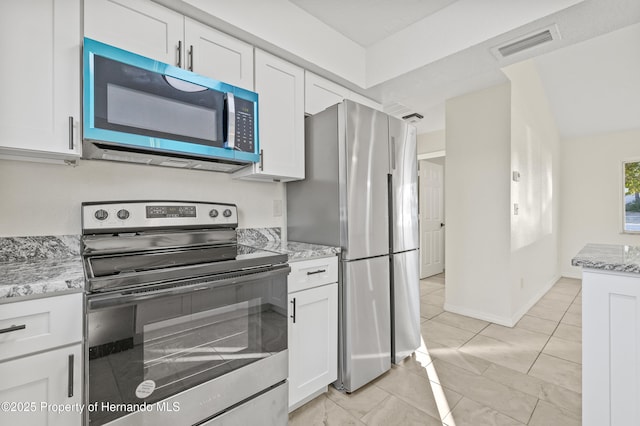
x: 40, y: 78
x: 34, y: 386
x: 321, y: 93
x: 280, y: 88
x: 217, y: 55
x: 313, y: 341
x: 139, y: 26
x: 356, y: 97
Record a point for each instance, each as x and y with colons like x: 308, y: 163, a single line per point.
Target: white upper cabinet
x: 321, y: 93
x: 139, y: 26
x: 356, y: 97
x: 159, y: 33
x: 217, y: 55
x: 40, y: 80
x: 280, y: 88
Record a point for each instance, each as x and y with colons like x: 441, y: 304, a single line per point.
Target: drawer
x: 40, y: 324
x: 312, y: 273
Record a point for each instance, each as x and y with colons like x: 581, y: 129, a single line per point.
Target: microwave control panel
x: 245, y: 125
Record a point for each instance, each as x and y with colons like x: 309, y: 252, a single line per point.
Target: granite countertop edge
x: 296, y: 251
x: 57, y: 276
x: 39, y: 278
x: 609, y: 257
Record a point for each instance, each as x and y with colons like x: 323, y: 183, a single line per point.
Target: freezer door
x: 403, y: 163
x: 406, y: 304
x: 366, y: 322
x: 365, y: 226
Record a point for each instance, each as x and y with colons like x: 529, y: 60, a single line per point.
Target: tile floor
x: 472, y: 372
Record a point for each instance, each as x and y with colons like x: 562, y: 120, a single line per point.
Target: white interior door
x: 431, y: 219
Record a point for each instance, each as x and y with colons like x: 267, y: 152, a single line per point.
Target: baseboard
x: 308, y: 398
x: 502, y: 320
x: 477, y: 314
x: 534, y: 299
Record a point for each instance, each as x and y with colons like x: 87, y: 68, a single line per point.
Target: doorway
x: 432, y: 225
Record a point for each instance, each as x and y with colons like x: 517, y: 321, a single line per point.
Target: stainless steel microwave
x: 140, y: 110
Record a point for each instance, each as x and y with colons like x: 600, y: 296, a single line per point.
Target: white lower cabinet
x: 43, y: 389
x: 41, y: 361
x: 610, y: 348
x: 313, y: 338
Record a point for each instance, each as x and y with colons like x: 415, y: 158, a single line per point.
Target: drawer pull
x: 70, y: 378
x: 13, y: 328
x: 293, y: 302
x: 319, y: 271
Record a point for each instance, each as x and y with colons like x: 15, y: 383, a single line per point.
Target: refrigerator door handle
x: 393, y: 153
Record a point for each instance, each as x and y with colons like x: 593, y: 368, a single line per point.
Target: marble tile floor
x: 472, y: 372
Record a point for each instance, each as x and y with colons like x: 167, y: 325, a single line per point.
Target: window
x: 631, y: 196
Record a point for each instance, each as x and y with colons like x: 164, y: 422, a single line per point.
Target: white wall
x: 44, y: 199
x: 431, y: 142
x: 535, y: 154
x: 592, y: 193
x: 477, y: 196
x: 499, y: 264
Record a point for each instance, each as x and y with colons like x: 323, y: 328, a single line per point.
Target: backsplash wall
x: 44, y: 199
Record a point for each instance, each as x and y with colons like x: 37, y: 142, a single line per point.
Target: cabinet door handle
x: 179, y: 61
x: 261, y: 160
x: 319, y: 271
x: 293, y: 316
x: 190, y: 64
x: 13, y: 328
x: 70, y: 378
x: 71, y: 133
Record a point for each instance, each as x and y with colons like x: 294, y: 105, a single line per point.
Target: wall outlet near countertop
x: 277, y: 208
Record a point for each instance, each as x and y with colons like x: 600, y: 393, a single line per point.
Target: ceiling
x: 369, y: 21
x: 590, y: 73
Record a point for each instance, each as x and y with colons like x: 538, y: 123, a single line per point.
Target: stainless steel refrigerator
x: 360, y: 193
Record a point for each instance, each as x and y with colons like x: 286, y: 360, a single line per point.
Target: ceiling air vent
x: 413, y: 118
x: 527, y: 42
x: 396, y: 109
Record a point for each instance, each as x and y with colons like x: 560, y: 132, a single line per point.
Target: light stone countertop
x: 39, y: 265
x: 298, y: 251
x: 609, y: 257
x: 48, y: 265
x: 270, y: 239
x: 39, y: 277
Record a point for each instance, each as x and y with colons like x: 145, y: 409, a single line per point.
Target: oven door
x: 183, y: 354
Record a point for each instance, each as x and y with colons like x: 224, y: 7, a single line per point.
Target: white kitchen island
x: 610, y: 334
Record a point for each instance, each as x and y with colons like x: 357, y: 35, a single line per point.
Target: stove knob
x: 123, y: 214
x: 101, y: 214
x: 227, y: 213
x: 213, y: 213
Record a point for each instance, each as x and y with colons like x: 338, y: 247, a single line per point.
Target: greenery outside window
x: 631, y: 196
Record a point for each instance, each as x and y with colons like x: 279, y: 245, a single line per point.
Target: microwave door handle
x: 230, y: 143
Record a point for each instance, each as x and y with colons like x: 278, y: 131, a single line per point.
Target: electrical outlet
x: 516, y: 208
x: 277, y: 208
x: 516, y: 176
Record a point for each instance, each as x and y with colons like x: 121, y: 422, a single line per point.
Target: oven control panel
x: 127, y: 215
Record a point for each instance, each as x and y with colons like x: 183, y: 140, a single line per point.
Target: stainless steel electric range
x: 183, y: 325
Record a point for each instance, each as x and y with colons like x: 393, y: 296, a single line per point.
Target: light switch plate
x: 277, y: 208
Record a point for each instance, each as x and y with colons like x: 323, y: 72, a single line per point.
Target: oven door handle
x: 127, y: 298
